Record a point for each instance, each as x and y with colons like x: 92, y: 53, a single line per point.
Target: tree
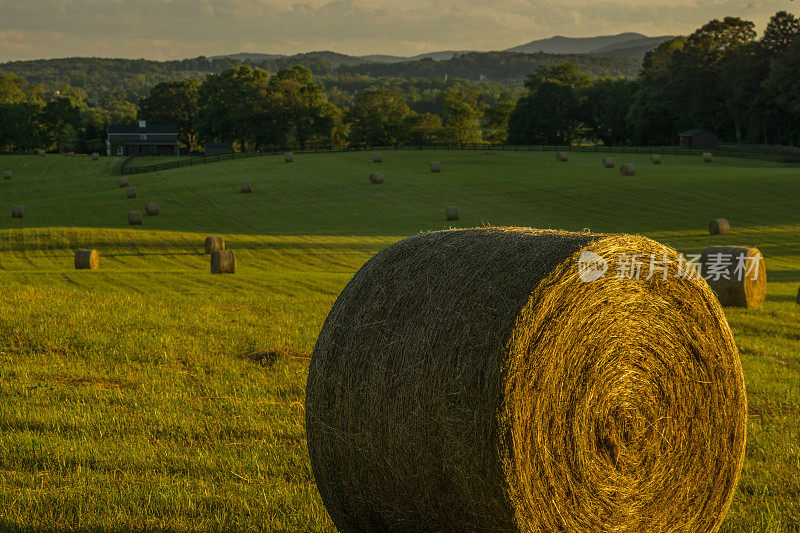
x: 782, y: 29
x: 605, y: 107
x: 173, y: 103
x: 60, y: 116
x: 495, y: 121
x: 379, y: 117
x: 461, y: 117
x: 423, y: 129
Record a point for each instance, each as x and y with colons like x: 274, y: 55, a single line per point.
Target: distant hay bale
x: 7, y: 174
x: 707, y: 157
x: 436, y: 166
x: 131, y: 193
x: 451, y: 212
x: 223, y: 262
x: 377, y: 158
x: 288, y: 157
x: 608, y: 162
x: 247, y: 187
x: 627, y: 170
x: 475, y: 380
x: 134, y: 218
x: 41, y: 153
x: 17, y: 211
x: 122, y: 181
x: 214, y: 243
x: 561, y: 157
x: 655, y: 159
x: 798, y: 296
x: 744, y: 267
x: 151, y: 208
x: 719, y: 226
x: 87, y: 260
x: 95, y: 156
x: 376, y: 178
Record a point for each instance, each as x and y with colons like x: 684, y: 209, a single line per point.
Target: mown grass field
x: 152, y: 395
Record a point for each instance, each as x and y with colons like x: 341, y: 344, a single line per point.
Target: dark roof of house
x: 692, y: 133
x: 152, y: 130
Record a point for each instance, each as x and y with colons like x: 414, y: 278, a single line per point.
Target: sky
x: 174, y: 29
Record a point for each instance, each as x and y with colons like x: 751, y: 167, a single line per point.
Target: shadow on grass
x: 8, y: 527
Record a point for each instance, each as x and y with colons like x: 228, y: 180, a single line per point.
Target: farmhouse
x: 699, y: 139
x: 142, y: 140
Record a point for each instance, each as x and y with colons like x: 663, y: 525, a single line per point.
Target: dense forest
x: 722, y: 77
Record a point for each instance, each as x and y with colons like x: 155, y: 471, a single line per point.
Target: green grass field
x: 152, y: 395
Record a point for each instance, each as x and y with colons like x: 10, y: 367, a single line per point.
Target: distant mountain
x: 572, y: 45
x: 635, y: 49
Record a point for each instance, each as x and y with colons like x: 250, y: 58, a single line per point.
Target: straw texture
x: 288, y: 157
x: 122, y: 181
x: 451, y: 212
x: 151, y: 208
x: 707, y: 157
x: 17, y: 211
x: 746, y: 290
x: 7, y: 174
x: 95, y: 156
x: 223, y: 262
x: 134, y: 218
x: 627, y: 170
x: 131, y: 192
x: 214, y: 243
x: 247, y: 187
x: 376, y: 178
x: 377, y: 158
x: 655, y: 159
x: 608, y: 162
x: 87, y: 260
x: 436, y: 166
x: 561, y: 157
x: 719, y: 226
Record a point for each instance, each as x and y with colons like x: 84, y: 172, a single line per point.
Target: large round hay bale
x: 436, y: 166
x: 451, y: 212
x: 719, y: 226
x: 473, y: 381
x: 41, y: 153
x: 95, y: 156
x: 655, y: 159
x: 561, y: 157
x: 376, y: 178
x: 7, y: 174
x: 247, y: 187
x: 122, y: 181
x: 151, y: 208
x: 627, y: 170
x: 707, y: 157
x: 214, y: 243
x: 288, y: 157
x: 223, y: 262
x: 608, y: 162
x: 17, y: 211
x: 131, y: 193
x: 134, y: 218
x: 736, y: 274
x: 87, y: 260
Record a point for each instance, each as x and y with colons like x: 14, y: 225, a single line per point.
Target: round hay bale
x: 122, y: 181
x: 736, y: 274
x: 247, y: 187
x: 627, y: 170
x: 95, y: 156
x: 7, y: 174
x: 223, y: 262
x: 288, y: 157
x: 41, y: 153
x: 719, y: 226
x: 376, y: 178
x: 561, y: 157
x: 436, y: 166
x: 17, y: 211
x: 377, y: 158
x: 608, y: 162
x: 655, y: 159
x: 471, y: 380
x: 134, y: 218
x: 151, y: 208
x: 131, y: 193
x: 707, y: 157
x: 214, y: 243
x: 87, y: 260
x: 451, y: 212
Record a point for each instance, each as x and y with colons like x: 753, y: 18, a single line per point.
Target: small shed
x: 212, y: 149
x: 699, y: 140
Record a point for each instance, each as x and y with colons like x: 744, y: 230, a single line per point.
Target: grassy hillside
x: 151, y: 394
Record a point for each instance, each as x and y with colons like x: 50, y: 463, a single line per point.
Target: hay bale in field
x: 122, y: 181
x: 451, y: 212
x: 376, y: 178
x: 87, y: 260
x: 95, y: 156
x: 223, y: 262
x: 134, y: 218
x: 561, y: 157
x: 288, y: 157
x: 746, y: 273
x: 627, y: 170
x: 719, y: 226
x: 655, y: 159
x: 41, y: 153
x: 472, y: 380
x: 7, y: 174
x: 214, y: 243
x: 151, y: 208
x: 131, y: 193
x: 377, y: 158
x: 247, y: 187
x: 707, y: 157
x: 436, y: 166
x: 17, y: 211
x: 608, y: 162
x: 798, y: 296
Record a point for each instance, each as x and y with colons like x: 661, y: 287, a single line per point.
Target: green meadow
x: 152, y: 395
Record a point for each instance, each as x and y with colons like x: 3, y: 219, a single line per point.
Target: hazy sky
x: 170, y: 29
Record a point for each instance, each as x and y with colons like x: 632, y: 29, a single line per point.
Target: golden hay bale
x: 95, y: 156
x: 288, y: 157
x: 376, y: 178
x: 608, y: 162
x: 134, y: 218
x: 223, y: 262
x: 17, y: 211
x: 151, y: 208
x: 247, y: 187
x: 469, y: 380
x: 436, y: 166
x: 627, y: 170
x: 214, y: 243
x: 745, y: 269
x: 41, y: 153
x: 451, y: 212
x: 87, y: 260
x: 377, y: 158
x: 131, y: 193
x: 719, y: 226
x: 655, y: 159
x: 561, y: 157
x: 707, y: 157
x: 122, y: 181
